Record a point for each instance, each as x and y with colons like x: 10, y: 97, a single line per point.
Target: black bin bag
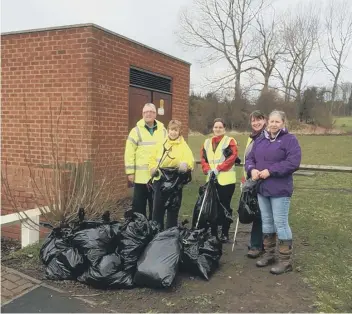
x: 69, y: 264
x: 55, y: 270
x: 61, y: 260
x: 73, y: 249
x: 208, y: 207
x: 170, y: 184
x: 56, y: 242
x: 136, y: 233
x: 96, y: 242
x: 209, y: 256
x: 158, y: 265
x: 106, y: 273
x: 207, y: 202
x: 248, y: 207
x: 201, y: 253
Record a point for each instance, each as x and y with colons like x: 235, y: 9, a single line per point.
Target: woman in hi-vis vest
x: 179, y: 157
x: 218, y: 156
x: 258, y: 123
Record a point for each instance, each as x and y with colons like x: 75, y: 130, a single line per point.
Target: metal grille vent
x: 150, y: 81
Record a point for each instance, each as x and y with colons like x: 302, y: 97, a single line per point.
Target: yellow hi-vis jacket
x: 249, y: 141
x: 178, y: 149
x: 139, y: 145
x: 216, y: 158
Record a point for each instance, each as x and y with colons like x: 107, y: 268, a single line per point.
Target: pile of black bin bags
x: 109, y: 254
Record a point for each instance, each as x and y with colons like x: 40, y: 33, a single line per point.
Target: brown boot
x: 254, y: 253
x: 268, y: 257
x: 285, y: 258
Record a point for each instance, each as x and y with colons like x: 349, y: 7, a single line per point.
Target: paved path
x: 14, y: 284
x: 23, y: 294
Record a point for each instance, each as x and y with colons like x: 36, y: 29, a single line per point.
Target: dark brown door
x: 138, y: 97
x: 160, y: 101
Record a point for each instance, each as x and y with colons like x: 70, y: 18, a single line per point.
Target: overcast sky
x: 152, y: 22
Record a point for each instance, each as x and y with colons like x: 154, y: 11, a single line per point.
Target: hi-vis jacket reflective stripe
x: 217, y: 157
x: 139, y: 145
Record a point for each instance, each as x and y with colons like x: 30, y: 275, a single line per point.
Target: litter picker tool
x: 166, y: 153
x: 202, y: 206
x: 236, y: 229
x: 234, y: 237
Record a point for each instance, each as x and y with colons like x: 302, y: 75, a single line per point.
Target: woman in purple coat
x: 273, y: 159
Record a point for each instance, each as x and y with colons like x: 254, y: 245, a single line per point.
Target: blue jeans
x: 274, y: 212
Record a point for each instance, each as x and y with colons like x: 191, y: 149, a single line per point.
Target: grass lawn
x: 344, y: 123
x: 316, y: 149
x: 320, y: 217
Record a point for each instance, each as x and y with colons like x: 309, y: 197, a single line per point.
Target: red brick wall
x: 41, y: 70
x: 112, y: 58
x: 84, y: 72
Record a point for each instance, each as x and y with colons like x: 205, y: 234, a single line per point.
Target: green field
x: 343, y: 123
x: 320, y: 217
x: 316, y: 149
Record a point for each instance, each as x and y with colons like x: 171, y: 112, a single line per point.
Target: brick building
x: 98, y: 78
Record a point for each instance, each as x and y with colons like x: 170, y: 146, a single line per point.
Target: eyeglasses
x: 144, y: 112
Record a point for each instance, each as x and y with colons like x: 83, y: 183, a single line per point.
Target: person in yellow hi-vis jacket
x: 218, y: 156
x: 140, y: 143
x: 175, y: 154
x: 258, y: 123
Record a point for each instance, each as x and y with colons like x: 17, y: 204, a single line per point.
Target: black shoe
x: 224, y: 238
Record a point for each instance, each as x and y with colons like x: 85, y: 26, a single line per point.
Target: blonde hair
x: 175, y: 124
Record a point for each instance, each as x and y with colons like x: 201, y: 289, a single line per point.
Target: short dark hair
x: 257, y: 114
x: 220, y: 120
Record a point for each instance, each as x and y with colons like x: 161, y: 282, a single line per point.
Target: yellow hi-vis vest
x: 216, y: 158
x: 140, y: 144
x: 249, y: 141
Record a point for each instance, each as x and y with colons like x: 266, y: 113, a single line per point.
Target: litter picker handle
x: 234, y: 237
x: 163, y: 157
x: 202, y: 206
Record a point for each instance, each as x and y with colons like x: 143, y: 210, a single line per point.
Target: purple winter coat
x: 281, y: 157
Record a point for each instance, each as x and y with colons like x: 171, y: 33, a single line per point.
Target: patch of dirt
x: 9, y: 246
x: 237, y: 286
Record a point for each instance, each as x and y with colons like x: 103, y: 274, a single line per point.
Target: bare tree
x: 223, y: 28
x: 286, y: 73
x: 338, y: 36
x: 300, y: 33
x: 268, y: 48
x: 346, y: 91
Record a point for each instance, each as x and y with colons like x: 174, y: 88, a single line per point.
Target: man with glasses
x: 139, y: 145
